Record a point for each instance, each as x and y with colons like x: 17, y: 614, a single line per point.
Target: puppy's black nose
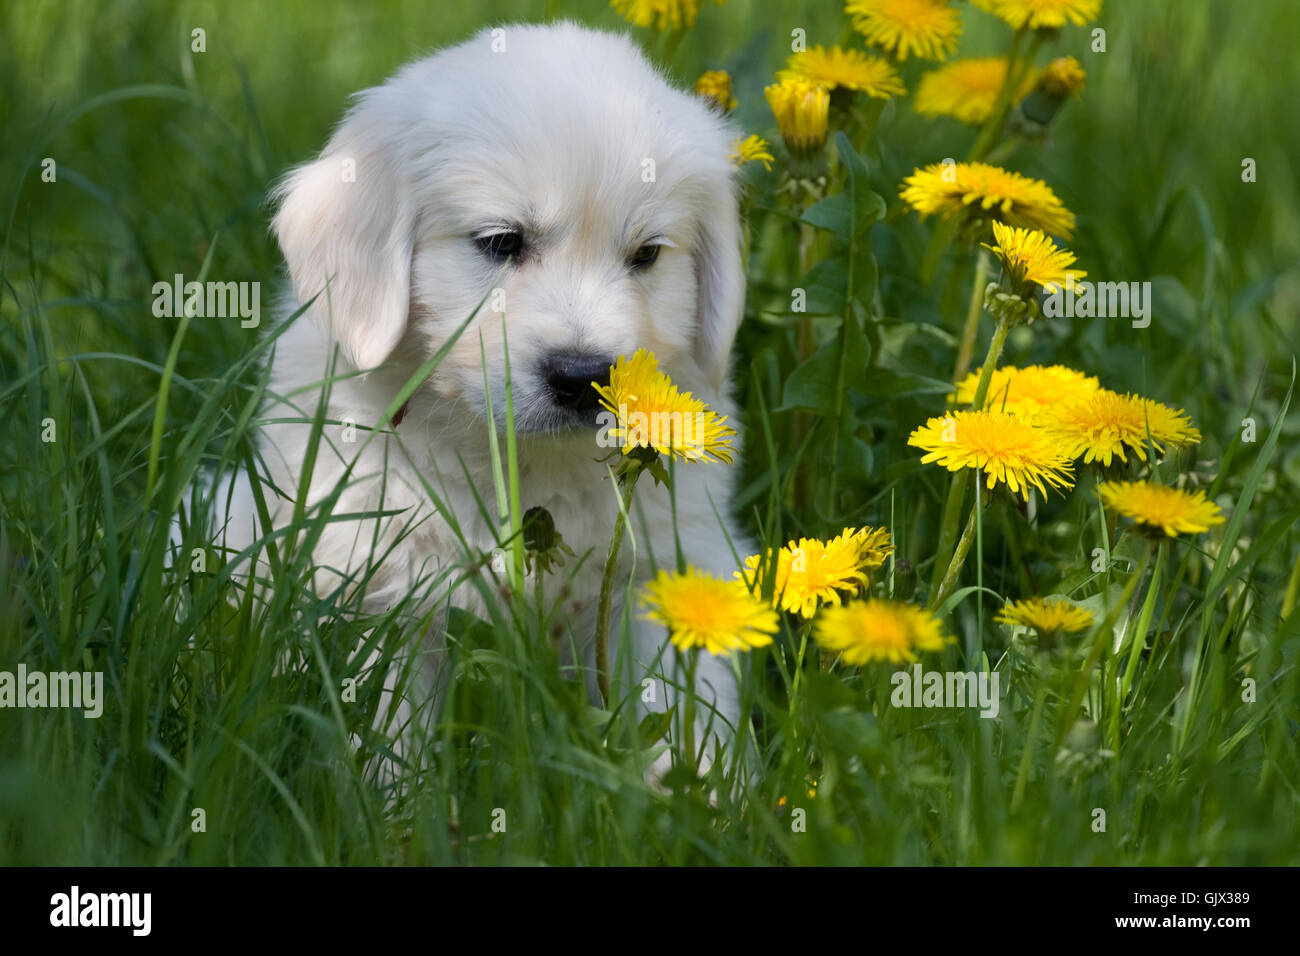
x: 569, y: 375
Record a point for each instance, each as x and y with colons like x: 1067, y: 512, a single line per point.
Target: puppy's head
x: 549, y: 173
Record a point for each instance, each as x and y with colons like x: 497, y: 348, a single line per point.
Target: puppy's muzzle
x: 569, y: 377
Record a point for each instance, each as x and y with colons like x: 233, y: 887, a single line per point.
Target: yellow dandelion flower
x: 1031, y: 257
x: 700, y: 610
x: 810, y: 571
x: 966, y: 90
x: 845, y: 69
x: 660, y: 14
x: 1100, y: 426
x: 1047, y: 618
x: 1042, y: 14
x: 650, y: 412
x: 1008, y: 449
x: 879, y: 630
x: 1029, y: 392
x: 751, y: 149
x: 801, y: 108
x: 1063, y: 77
x: 978, y: 189
x: 1171, y: 510
x: 925, y: 28
x: 715, y: 86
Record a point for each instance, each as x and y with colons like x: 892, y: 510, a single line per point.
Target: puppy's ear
x: 720, y: 273
x: 346, y: 218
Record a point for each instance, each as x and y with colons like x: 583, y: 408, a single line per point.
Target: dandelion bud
x: 543, y: 545
x: 802, y: 109
x: 1063, y: 78
x: 539, y: 530
x: 1005, y: 306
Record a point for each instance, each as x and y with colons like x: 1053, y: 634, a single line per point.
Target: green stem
x: 988, y: 136
x: 973, y: 310
x: 624, y: 491
x: 689, y: 729
x: 950, y: 526
x: 949, y: 582
x: 1004, y: 150
x: 798, y: 665
x: 990, y: 363
x: 957, y: 489
x: 978, y: 650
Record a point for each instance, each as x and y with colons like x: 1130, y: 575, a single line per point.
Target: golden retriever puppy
x: 553, y: 174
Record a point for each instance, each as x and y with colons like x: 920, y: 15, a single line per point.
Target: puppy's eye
x: 500, y: 246
x: 644, y: 257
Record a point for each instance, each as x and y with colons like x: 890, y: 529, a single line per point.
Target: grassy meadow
x: 1175, y: 710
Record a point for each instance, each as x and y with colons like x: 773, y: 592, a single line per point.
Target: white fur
x: 553, y: 131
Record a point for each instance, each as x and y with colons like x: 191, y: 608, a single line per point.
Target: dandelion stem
x: 990, y: 363
x: 623, y: 489
x: 979, y: 570
x: 689, y: 717
x: 958, y: 559
x: 798, y: 665
x: 957, y: 488
x: 973, y: 310
x: 1016, y: 71
x: 1005, y: 149
x: 949, y: 528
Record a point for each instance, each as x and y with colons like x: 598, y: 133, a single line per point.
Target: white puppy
x: 553, y: 163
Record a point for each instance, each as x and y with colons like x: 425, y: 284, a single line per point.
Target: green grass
x: 216, y: 702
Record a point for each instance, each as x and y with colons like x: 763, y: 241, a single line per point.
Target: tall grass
x: 233, y: 704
